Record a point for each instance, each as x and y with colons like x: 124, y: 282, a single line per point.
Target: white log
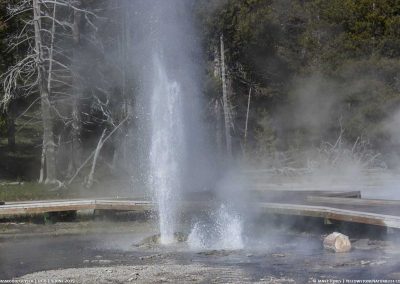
x: 337, y: 242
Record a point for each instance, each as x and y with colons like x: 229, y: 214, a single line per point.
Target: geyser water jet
x: 178, y: 158
x: 167, y: 148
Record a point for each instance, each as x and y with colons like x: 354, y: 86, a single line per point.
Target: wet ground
x: 111, y: 255
x: 108, y: 252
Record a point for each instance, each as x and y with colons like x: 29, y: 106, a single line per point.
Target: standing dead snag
x: 47, y: 70
x: 124, y: 107
x: 10, y: 120
x: 247, y: 120
x: 48, y: 135
x: 218, y: 126
x: 100, y: 145
x: 227, y: 120
x: 96, y: 155
x: 76, y: 125
x: 217, y: 104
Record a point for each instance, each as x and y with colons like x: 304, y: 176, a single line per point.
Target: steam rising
x: 174, y: 154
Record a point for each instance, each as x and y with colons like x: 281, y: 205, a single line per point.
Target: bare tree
x: 218, y: 125
x: 10, y: 121
x: 76, y: 127
x: 99, y: 146
x: 46, y: 68
x: 90, y: 179
x: 48, y: 135
x: 125, y: 108
x: 247, y: 119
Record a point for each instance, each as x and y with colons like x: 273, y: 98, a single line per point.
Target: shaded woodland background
x: 322, y: 77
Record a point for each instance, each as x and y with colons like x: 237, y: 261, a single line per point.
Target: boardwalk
x: 327, y: 205
x: 44, y: 206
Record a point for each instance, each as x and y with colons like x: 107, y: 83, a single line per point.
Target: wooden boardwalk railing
x: 333, y: 213
x: 334, y: 208
x: 44, y: 206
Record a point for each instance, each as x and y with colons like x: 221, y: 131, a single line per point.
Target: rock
x: 150, y: 256
x: 156, y: 240
x: 362, y: 244
x: 278, y: 255
x: 365, y: 262
x: 337, y: 242
x: 379, y: 262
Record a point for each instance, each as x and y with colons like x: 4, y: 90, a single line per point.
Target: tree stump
x: 337, y: 242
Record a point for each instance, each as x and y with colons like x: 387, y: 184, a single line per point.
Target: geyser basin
x: 278, y: 256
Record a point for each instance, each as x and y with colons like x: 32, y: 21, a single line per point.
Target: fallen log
x: 337, y: 242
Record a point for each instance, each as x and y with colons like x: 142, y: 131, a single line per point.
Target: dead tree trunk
x: 218, y: 126
x: 337, y: 242
x: 42, y: 162
x: 11, y: 126
x: 120, y: 156
x: 218, y: 104
x: 247, y: 120
x: 48, y: 136
x: 217, y: 63
x: 95, y: 157
x: 76, y: 127
x: 103, y: 140
x: 11, y: 132
x: 226, y: 107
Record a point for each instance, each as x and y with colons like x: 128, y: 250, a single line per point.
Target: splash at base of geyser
x: 225, y: 233
x: 219, y: 229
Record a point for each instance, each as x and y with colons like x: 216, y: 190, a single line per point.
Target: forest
x: 285, y: 83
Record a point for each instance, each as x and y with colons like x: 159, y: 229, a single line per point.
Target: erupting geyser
x: 178, y: 152
x: 167, y: 148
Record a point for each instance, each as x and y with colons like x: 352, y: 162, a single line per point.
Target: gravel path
x: 165, y: 273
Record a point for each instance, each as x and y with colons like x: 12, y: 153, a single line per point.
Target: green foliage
x: 360, y: 28
x: 352, y: 45
x: 25, y: 191
x: 310, y: 64
x: 265, y: 136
